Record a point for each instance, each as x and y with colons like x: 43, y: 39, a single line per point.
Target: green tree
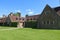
x: 17, y: 14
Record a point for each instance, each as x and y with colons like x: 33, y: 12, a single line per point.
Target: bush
x: 13, y: 24
x: 1, y: 24
x: 31, y: 24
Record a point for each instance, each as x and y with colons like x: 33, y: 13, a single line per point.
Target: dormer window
x: 19, y: 18
x: 31, y: 18
x: 47, y: 12
x: 23, y: 19
x: 16, y: 18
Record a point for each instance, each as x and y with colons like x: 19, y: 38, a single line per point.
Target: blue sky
x: 30, y: 7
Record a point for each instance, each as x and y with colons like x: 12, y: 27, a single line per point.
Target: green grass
x: 29, y: 34
x: 5, y: 27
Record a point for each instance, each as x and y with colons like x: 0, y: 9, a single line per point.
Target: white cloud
x: 1, y: 16
x: 29, y: 11
x: 17, y: 11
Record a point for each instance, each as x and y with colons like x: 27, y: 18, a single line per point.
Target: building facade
x: 12, y: 18
x: 49, y: 18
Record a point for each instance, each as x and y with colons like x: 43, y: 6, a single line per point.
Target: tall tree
x: 18, y: 14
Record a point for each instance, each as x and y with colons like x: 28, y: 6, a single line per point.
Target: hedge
x: 1, y: 24
x: 12, y: 24
x: 31, y: 24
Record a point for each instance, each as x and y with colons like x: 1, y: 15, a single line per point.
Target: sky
x: 30, y: 7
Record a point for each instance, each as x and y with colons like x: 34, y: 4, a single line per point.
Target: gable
x: 48, y: 12
x: 8, y: 20
x: 48, y: 18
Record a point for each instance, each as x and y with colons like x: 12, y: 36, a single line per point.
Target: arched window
x: 48, y: 22
x: 43, y: 22
x: 47, y: 12
x: 52, y: 22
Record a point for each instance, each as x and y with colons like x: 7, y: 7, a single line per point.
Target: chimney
x: 4, y: 16
x: 11, y: 14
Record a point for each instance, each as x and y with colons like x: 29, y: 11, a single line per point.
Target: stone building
x: 49, y: 18
x: 12, y: 18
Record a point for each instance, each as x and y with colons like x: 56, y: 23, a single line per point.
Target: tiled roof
x: 57, y: 8
x: 14, y: 18
x: 33, y: 16
x: 3, y: 20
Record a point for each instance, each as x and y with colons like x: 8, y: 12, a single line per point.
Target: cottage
x: 12, y: 20
x: 15, y: 19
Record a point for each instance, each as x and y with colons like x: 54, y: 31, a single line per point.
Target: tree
x: 17, y: 14
x: 26, y: 15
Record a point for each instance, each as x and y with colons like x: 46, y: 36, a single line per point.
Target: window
x: 23, y: 19
x: 48, y: 22
x: 19, y: 18
x: 16, y: 18
x: 31, y: 19
x: 43, y: 22
x: 47, y: 12
x: 52, y: 22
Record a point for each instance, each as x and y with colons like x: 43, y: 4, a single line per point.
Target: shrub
x: 13, y: 24
x: 31, y: 24
x: 1, y: 24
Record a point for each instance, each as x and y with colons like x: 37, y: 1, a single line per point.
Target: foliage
x: 31, y: 24
x: 14, y: 24
x: 1, y: 24
x: 26, y: 15
x: 17, y: 14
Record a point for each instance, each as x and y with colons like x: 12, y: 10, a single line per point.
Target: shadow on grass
x: 45, y: 28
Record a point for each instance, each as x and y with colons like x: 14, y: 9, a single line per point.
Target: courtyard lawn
x: 5, y: 27
x: 29, y: 34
